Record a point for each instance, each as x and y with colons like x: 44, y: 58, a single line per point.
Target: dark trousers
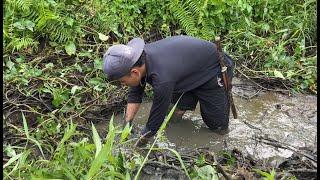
x: 213, y: 100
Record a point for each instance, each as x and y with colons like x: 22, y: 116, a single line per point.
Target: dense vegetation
x: 52, y: 68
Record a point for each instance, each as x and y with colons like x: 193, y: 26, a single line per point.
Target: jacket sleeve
x: 135, y: 94
x: 162, y: 94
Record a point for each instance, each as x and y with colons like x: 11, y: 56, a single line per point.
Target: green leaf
x: 19, y: 25
x: 20, y: 59
x: 104, y: 153
x: 59, y: 96
x: 103, y: 37
x: 29, y: 25
x: 125, y: 132
x: 70, y: 48
x: 69, y: 21
x: 74, y: 89
x: 25, y: 126
x: 13, y: 159
x: 268, y: 176
x: 278, y: 74
x: 290, y: 73
x: 10, y: 151
x: 9, y: 64
x: 247, y: 21
x: 49, y: 65
x: 207, y: 172
x: 98, y: 63
x: 57, y: 100
x: 37, y: 72
x: 69, y: 131
x: 96, y: 140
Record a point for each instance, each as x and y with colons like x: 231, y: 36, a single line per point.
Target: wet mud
x: 271, y: 126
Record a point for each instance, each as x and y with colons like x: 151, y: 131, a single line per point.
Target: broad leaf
x: 104, y: 153
x: 278, y: 74
x: 70, y: 48
x: 103, y: 37
x: 74, y: 89
x: 96, y: 140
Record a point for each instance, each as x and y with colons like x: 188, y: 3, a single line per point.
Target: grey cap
x: 119, y: 59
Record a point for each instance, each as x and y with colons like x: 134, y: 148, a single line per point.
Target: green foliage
x: 231, y: 160
x: 73, y: 160
x: 253, y: 31
x: 266, y: 175
x: 205, y: 172
x: 158, y: 135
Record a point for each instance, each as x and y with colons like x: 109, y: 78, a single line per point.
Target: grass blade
x: 26, y: 130
x: 25, y: 126
x: 125, y: 133
x: 38, y: 144
x: 104, y: 153
x: 69, y: 131
x: 13, y: 159
x: 96, y: 140
x: 162, y: 127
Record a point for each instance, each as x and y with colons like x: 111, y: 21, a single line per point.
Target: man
x: 174, y: 66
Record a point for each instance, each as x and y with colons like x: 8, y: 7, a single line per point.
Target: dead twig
x: 219, y: 167
x: 251, y: 126
x: 282, y: 145
x: 303, y: 170
x: 264, y: 88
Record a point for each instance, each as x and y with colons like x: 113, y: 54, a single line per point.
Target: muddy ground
x: 274, y: 129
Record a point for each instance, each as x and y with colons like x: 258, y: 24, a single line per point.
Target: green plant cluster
x: 269, y: 37
x: 76, y: 159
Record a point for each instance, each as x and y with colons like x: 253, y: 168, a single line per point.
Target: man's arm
x: 134, y: 100
x: 132, y: 109
x: 161, y: 101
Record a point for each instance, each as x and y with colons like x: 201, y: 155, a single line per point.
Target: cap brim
x: 137, y: 44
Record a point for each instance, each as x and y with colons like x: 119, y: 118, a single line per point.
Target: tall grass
x: 159, y: 134
x: 76, y: 157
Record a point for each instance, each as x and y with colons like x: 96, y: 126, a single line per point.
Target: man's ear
x: 134, y: 71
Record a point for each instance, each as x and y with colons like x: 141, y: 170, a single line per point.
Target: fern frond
x: 193, y: 5
x: 17, y: 44
x: 184, y: 16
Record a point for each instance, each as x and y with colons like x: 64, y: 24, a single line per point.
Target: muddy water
x: 288, y: 119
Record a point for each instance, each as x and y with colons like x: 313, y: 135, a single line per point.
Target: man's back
x: 185, y: 61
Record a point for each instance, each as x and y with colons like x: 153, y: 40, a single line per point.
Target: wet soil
x: 288, y: 119
x: 271, y: 127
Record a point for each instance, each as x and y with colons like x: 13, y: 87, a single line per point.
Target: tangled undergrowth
x: 52, y: 73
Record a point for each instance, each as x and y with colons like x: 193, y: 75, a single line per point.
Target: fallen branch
x: 264, y: 88
x: 278, y: 144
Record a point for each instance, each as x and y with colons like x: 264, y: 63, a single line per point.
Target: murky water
x: 287, y: 119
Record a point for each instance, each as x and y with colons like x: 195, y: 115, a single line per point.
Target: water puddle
x: 287, y: 119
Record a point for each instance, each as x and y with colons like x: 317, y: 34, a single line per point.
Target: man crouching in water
x: 174, y: 66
